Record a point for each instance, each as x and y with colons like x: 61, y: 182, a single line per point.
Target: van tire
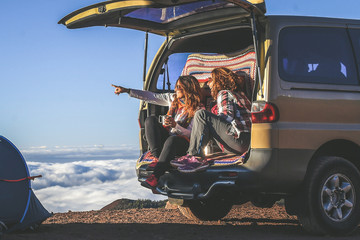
x: 331, y: 197
x: 212, y: 209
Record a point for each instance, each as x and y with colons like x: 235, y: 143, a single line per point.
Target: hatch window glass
x: 169, y: 14
x: 316, y: 55
x: 171, y: 71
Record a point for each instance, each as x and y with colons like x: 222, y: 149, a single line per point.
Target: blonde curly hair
x: 225, y: 79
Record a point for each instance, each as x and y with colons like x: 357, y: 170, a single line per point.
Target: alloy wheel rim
x: 338, y: 197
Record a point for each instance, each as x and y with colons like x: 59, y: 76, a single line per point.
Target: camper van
x: 302, y: 77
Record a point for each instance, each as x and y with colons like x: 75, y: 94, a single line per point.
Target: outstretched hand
x: 119, y: 89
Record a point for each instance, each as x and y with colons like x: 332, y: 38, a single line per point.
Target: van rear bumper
x: 258, y: 175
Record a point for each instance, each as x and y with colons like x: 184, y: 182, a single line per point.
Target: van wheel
x: 331, y: 203
x: 206, y: 210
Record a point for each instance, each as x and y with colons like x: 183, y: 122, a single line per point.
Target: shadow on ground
x: 230, y: 229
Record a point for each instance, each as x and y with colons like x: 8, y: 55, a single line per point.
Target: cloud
x: 85, y: 184
x: 82, y: 153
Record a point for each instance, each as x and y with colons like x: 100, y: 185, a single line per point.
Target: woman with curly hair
x: 171, y: 138
x: 228, y: 123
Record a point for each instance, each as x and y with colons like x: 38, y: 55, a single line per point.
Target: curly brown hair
x: 192, y: 93
x: 225, y: 79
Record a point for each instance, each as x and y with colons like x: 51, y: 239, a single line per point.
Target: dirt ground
x: 243, y: 222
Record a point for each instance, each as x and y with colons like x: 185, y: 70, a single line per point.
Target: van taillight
x: 264, y: 112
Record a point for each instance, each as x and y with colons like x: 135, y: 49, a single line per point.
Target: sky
x: 57, y: 105
x: 55, y: 82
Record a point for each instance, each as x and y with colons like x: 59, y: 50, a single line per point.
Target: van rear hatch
x: 163, y: 17
x: 168, y: 18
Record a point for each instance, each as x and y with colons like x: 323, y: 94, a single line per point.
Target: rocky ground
x: 243, y: 222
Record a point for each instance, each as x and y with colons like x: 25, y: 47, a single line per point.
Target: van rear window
x: 171, y: 71
x: 172, y: 13
x: 316, y: 55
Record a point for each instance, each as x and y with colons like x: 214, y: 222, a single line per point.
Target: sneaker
x: 155, y: 191
x: 151, y: 182
x: 151, y: 166
x: 194, y: 167
x: 184, y: 160
x: 147, y: 158
x: 150, y: 156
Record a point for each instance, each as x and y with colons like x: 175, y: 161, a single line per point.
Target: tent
x: 19, y: 207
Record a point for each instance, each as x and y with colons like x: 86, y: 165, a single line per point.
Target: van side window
x: 316, y: 55
x: 355, y: 38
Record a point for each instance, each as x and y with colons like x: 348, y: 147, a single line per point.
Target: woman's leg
x: 155, y: 134
x: 206, y: 126
x: 174, y: 146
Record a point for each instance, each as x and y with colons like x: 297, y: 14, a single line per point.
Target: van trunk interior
x: 235, y: 48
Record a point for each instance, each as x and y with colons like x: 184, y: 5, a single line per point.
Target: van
x: 302, y: 76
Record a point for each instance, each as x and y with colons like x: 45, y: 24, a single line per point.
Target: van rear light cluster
x: 264, y: 112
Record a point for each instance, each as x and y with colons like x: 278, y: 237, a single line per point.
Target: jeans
x: 208, y: 126
x: 162, y: 145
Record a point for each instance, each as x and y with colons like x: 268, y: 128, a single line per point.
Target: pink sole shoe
x: 185, y: 160
x: 194, y: 167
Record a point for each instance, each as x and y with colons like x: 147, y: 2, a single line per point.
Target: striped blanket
x: 216, y: 159
x: 241, y: 62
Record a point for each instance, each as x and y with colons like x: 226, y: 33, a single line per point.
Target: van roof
x: 312, y: 19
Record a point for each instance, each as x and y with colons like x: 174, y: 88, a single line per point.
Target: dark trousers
x: 162, y: 145
x: 208, y: 126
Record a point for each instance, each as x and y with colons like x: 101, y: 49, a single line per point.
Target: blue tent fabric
x: 34, y: 216
x: 19, y: 207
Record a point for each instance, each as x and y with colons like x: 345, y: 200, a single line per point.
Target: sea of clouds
x: 84, y: 178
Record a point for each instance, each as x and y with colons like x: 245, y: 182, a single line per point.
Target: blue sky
x: 55, y: 82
